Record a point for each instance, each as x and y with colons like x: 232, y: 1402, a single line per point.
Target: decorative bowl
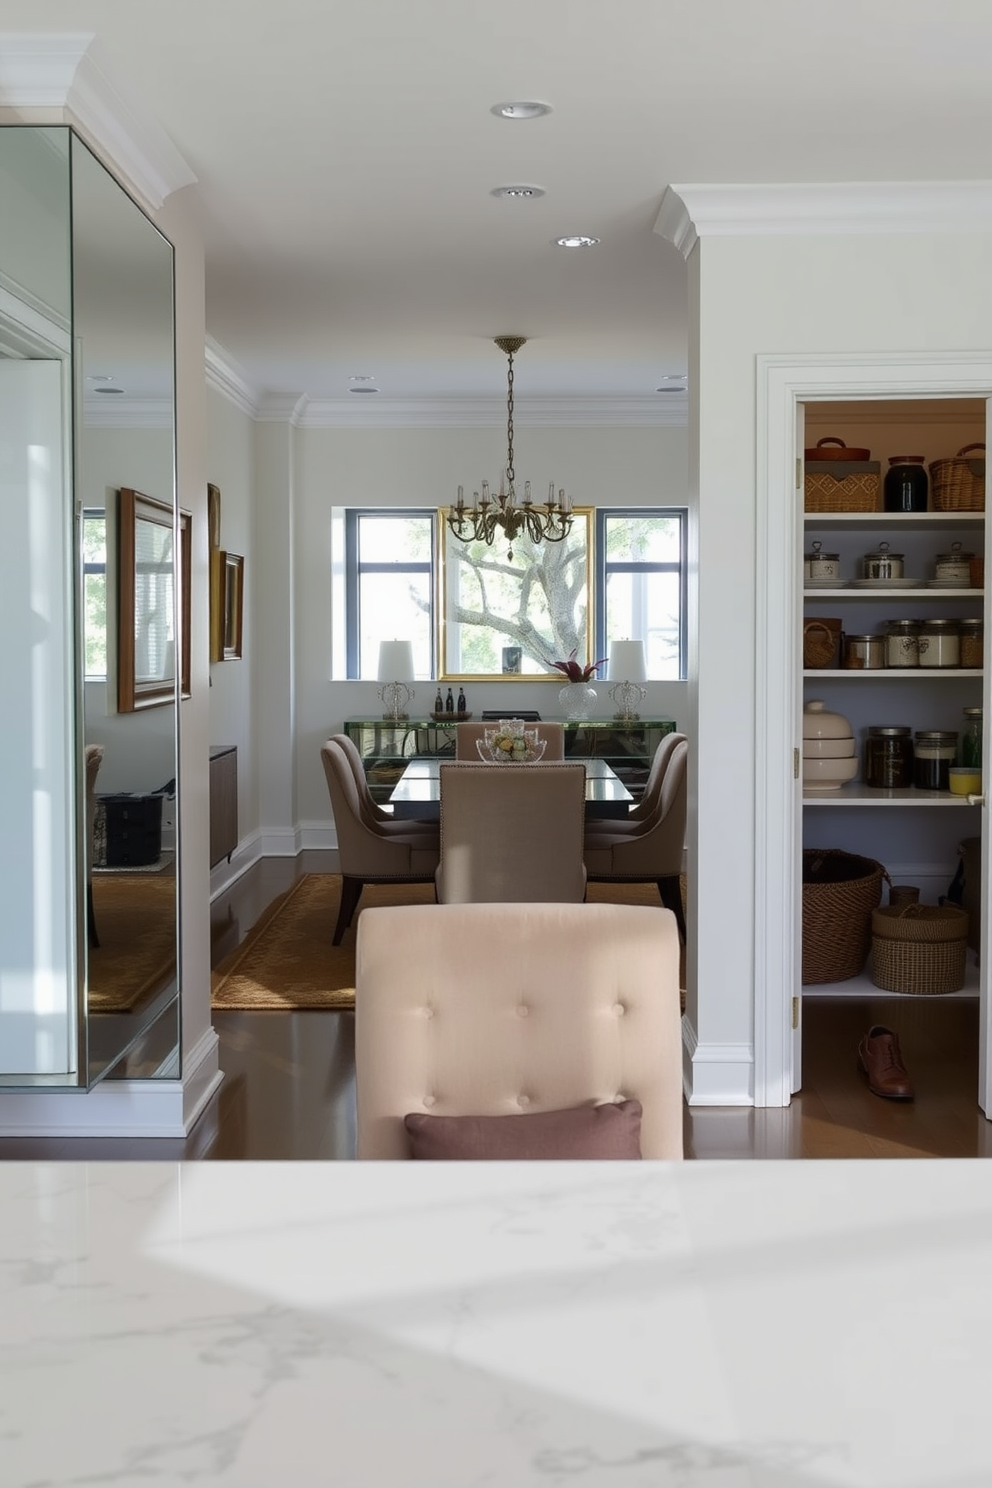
x: 819, y: 724
x: 829, y: 748
x: 509, y: 743
x: 828, y: 774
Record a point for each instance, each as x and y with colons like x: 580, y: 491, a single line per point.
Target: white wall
x: 775, y: 295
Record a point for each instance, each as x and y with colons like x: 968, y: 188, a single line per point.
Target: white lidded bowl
x: 828, y: 774
x: 818, y: 723
x: 829, y: 748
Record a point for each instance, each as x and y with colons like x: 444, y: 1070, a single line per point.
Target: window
x: 95, y: 595
x: 389, y: 579
x: 640, y: 587
x: 621, y: 573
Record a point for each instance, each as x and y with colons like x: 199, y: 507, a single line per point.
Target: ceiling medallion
x: 500, y: 517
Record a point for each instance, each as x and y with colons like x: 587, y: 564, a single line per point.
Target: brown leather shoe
x: 879, y: 1057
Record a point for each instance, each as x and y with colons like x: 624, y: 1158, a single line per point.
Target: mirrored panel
x: 131, y: 637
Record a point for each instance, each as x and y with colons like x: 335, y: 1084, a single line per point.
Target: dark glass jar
x: 889, y: 758
x: 971, y: 739
x: 936, y: 751
x: 906, y: 487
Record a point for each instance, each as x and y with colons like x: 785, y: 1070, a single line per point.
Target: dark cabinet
x: 223, y: 802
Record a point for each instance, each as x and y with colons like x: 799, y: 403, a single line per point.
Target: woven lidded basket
x: 919, y: 948
x: 820, y: 643
x: 847, y: 486
x: 958, y: 484
x: 840, y: 890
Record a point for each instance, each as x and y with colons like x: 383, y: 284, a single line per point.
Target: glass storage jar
x: 906, y: 486
x: 954, y: 567
x: 972, y: 643
x: 881, y: 564
x: 889, y: 758
x: 939, y: 643
x: 818, y: 565
x: 935, y: 751
x: 902, y: 643
x: 863, y: 652
x: 971, y: 738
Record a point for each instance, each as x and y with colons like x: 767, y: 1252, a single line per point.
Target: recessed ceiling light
x: 529, y: 109
x: 362, y: 388
x: 363, y: 377
x: 517, y: 192
x: 98, y: 377
x: 108, y: 390
x: 576, y: 242
x: 673, y: 382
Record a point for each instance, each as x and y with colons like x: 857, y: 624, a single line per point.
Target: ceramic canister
x: 954, y: 565
x: 819, y: 565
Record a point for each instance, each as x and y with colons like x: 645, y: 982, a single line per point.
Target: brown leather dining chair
x: 367, y: 853
x: 369, y: 806
x: 652, y: 851
x: 511, y: 832
x: 468, y: 734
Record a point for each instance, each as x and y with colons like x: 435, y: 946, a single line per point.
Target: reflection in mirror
x: 128, y: 622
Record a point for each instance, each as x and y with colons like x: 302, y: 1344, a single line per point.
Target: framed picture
x: 146, y: 612
x: 227, y: 572
x: 213, y: 515
x: 185, y: 579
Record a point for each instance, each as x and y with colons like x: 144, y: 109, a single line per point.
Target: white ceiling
x: 345, y: 154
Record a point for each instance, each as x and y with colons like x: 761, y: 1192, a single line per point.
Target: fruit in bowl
x: 506, y: 745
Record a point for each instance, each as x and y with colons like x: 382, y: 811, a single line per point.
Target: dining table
x: 417, y: 793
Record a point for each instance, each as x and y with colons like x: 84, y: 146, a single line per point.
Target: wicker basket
x: 958, y: 484
x: 919, y: 949
x: 821, y: 641
x: 840, y: 890
x: 846, y: 486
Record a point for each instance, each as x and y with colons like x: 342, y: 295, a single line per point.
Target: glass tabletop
x: 418, y: 792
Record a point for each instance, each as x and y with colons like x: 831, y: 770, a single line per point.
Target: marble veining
x: 770, y: 1325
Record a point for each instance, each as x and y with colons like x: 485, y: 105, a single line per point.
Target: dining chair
x: 371, y: 811
x: 511, y: 832
x: 652, y: 851
x: 468, y: 734
x: 647, y: 805
x: 93, y: 759
x: 367, y: 853
x: 531, y: 1008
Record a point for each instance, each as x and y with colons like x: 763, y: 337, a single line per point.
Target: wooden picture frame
x: 213, y: 515
x: 147, y: 614
x: 226, y: 605
x: 185, y: 582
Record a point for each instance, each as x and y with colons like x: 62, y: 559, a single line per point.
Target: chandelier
x: 498, y: 517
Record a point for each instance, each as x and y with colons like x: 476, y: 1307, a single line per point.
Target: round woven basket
x: 819, y: 644
x: 958, y: 484
x: 920, y: 949
x: 840, y: 890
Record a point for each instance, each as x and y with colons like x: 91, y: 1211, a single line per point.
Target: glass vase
x: 576, y: 699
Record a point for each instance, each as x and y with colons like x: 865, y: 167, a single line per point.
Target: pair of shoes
x: 881, y: 1060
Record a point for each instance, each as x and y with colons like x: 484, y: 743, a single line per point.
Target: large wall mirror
x: 89, y: 940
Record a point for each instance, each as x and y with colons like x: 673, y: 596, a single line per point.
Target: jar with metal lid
x: 971, y: 738
x: 881, y: 564
x: 819, y: 565
x: 889, y: 758
x: 939, y: 643
x: 863, y: 652
x: 902, y: 648
x: 936, y: 751
x: 906, y: 486
x: 954, y: 567
x: 972, y: 643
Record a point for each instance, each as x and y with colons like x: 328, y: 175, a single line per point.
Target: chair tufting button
x: 429, y: 1100
x: 619, y: 1009
x: 522, y: 1010
x: 523, y: 1100
x: 428, y: 1012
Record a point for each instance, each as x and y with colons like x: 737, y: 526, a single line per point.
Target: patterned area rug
x: 287, y: 960
x: 136, y: 923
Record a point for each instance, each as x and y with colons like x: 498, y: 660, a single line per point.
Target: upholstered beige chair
x: 652, y: 852
x: 648, y: 804
x: 371, y: 811
x: 511, y: 832
x: 467, y: 735
x: 368, y: 854
x: 93, y: 759
x: 504, y: 1009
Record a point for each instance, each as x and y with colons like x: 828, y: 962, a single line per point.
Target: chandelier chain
x: 509, y: 421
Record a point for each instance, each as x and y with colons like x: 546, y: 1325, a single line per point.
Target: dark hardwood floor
x: 289, y: 1087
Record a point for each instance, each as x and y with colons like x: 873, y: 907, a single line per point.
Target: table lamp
x: 627, y: 669
x: 395, y: 670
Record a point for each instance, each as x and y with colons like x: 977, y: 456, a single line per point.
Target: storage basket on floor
x: 840, y: 890
x: 919, y: 948
x: 958, y: 484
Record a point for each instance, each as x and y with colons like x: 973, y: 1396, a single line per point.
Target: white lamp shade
x: 627, y: 661
x: 395, y: 661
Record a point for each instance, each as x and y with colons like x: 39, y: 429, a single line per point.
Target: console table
x: 387, y: 747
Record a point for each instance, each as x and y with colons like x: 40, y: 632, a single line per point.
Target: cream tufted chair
x: 367, y: 853
x: 502, y: 1009
x: 511, y: 832
x: 466, y: 735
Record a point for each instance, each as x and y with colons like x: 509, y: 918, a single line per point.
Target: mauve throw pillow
x: 583, y: 1132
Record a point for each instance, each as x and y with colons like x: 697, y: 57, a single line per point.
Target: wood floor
x: 289, y: 1087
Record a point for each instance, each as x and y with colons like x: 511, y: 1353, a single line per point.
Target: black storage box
x: 127, y: 831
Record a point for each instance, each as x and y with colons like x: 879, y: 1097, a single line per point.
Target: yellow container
x: 964, y: 781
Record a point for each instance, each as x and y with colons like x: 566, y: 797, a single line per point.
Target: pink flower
x: 573, y: 671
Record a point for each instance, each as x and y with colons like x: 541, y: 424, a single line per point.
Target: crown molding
x: 226, y: 377
x: 57, y: 72
x: 282, y: 408
x: 652, y: 411
x: 122, y: 412
x: 820, y: 209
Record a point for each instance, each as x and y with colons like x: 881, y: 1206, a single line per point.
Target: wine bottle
x: 449, y: 702
x: 439, y: 702
x: 461, y: 700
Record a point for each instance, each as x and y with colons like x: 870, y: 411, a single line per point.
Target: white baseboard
x: 716, y: 1074
x: 118, y: 1108
x: 223, y: 874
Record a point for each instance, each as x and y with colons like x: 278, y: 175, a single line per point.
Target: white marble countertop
x: 373, y: 1325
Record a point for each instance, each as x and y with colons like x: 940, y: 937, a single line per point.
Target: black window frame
x: 603, y: 569
x: 353, y: 571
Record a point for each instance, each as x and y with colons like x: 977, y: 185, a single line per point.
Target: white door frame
x: 782, y: 383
